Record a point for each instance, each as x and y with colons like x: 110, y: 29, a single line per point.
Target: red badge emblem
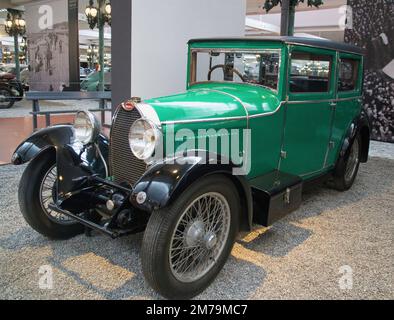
x: 128, y: 105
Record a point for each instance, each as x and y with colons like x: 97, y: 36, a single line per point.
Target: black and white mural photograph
x: 211, y: 153
x: 372, y: 28
x: 48, y: 43
x: 48, y: 56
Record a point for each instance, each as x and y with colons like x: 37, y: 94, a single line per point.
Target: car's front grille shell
x: 125, y: 167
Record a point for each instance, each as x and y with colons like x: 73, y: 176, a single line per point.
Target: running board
x: 275, y: 195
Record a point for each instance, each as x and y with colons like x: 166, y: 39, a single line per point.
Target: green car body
x: 297, y: 133
x: 260, y: 119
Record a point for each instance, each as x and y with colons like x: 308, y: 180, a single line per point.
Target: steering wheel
x: 225, y: 68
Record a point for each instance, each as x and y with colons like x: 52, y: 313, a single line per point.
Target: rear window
x: 309, y: 72
x: 348, y: 74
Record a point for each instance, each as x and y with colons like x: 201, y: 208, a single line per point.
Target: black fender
x: 359, y: 125
x: 73, y: 160
x: 167, y: 179
x: 51, y: 137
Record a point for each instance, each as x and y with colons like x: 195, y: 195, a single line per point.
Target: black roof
x: 321, y: 43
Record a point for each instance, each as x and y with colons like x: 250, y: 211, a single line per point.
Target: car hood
x: 215, y: 102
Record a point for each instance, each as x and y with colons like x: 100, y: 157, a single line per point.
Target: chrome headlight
x: 86, y: 127
x: 144, y: 136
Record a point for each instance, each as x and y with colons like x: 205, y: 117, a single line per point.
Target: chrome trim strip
x: 238, y: 50
x: 356, y: 51
x: 254, y: 115
x: 115, y: 113
x: 347, y: 99
x: 316, y: 171
x: 226, y: 118
x: 323, y: 100
x: 204, y: 120
x: 323, y: 47
x: 311, y: 101
x: 268, y: 113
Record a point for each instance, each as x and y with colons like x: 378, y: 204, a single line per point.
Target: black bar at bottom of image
x: 204, y: 309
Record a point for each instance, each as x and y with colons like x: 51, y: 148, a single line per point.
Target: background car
x: 91, y: 83
x: 24, y: 73
x: 10, y: 68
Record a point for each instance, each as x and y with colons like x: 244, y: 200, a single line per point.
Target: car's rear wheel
x: 186, y: 245
x: 347, y: 166
x: 37, y: 189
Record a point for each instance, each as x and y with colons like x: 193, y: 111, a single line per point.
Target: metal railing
x: 35, y: 97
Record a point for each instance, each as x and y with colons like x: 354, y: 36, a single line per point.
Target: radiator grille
x: 125, y: 167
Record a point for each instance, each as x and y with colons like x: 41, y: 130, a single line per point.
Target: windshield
x: 259, y: 67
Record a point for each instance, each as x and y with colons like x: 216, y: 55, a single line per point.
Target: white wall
x: 160, y: 31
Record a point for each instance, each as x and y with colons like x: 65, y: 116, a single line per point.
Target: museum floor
x: 298, y: 257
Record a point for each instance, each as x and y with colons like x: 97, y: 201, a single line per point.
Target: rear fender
x: 359, y: 125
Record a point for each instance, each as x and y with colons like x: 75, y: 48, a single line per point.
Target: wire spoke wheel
x: 48, y: 191
x: 199, y: 237
x: 353, y: 161
x: 187, y: 243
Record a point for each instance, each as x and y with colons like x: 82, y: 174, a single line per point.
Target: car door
x: 349, y: 85
x: 309, y: 111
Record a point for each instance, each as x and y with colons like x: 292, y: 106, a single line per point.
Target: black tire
x: 30, y: 204
x: 161, y: 227
x: 9, y: 102
x: 343, y: 181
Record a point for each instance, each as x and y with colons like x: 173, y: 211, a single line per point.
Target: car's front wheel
x: 37, y: 189
x: 186, y: 245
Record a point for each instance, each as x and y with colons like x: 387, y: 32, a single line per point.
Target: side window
x: 348, y: 74
x: 310, y: 72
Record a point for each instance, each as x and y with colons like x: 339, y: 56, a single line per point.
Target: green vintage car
x: 260, y: 120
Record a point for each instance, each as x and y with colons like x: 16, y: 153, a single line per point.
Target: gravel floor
x: 298, y: 257
x: 381, y: 150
